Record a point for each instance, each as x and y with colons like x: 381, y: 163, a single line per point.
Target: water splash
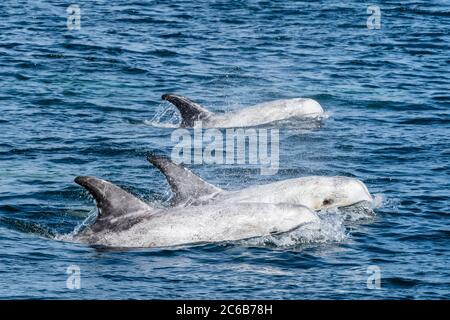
x: 389, y: 203
x: 361, y: 212
x: 165, y: 117
x: 329, y: 229
x: 92, y: 215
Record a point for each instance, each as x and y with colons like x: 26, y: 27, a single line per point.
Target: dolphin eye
x: 327, y: 202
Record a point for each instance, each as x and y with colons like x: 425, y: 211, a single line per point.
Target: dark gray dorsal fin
x: 186, y: 186
x: 189, y: 110
x: 111, y: 200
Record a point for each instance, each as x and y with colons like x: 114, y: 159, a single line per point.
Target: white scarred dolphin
x: 125, y: 221
x: 259, y: 114
x: 314, y: 192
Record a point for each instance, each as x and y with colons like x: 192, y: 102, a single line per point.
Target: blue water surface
x: 85, y: 102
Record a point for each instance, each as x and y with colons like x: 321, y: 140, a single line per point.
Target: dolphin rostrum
x: 315, y: 192
x: 125, y: 221
x: 260, y: 114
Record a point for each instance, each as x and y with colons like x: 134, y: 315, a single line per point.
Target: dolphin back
x: 186, y: 186
x: 113, y: 202
x: 189, y: 110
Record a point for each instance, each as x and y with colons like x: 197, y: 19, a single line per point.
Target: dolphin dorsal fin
x: 189, y: 110
x: 111, y: 200
x: 185, y: 185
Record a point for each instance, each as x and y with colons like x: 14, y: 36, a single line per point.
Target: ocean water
x: 87, y: 102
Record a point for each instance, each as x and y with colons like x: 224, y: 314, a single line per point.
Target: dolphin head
x: 309, y: 107
x: 331, y: 192
x: 349, y: 192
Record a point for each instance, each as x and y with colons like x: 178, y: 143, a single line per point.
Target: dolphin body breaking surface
x: 260, y: 114
x: 314, y: 192
x: 204, y: 213
x: 125, y: 221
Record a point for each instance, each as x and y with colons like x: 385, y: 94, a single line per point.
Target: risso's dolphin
x: 260, y: 114
x: 125, y: 221
x: 314, y: 192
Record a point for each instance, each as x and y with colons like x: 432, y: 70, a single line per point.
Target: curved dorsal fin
x: 111, y: 200
x: 189, y: 110
x: 185, y: 185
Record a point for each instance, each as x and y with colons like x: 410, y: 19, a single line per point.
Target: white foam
x: 330, y: 229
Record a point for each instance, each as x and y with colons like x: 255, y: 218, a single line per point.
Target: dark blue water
x: 79, y: 102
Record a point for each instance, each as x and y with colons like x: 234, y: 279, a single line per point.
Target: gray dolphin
x: 315, y: 192
x: 125, y: 221
x: 192, y: 113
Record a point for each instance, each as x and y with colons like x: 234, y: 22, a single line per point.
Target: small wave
x: 27, y: 227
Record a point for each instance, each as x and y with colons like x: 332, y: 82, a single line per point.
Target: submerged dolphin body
x: 126, y: 221
x: 259, y: 114
x: 314, y: 192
